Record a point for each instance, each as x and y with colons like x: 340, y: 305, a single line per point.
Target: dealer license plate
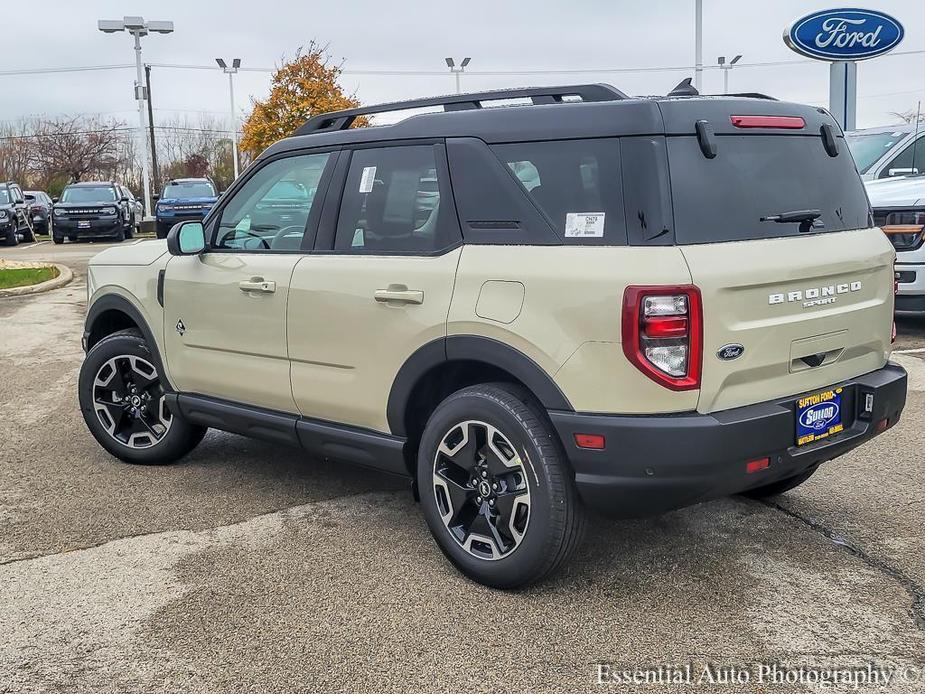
x: 83, y: 224
x: 819, y: 416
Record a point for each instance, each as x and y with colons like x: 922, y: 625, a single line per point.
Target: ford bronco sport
x: 585, y: 301
x: 93, y: 209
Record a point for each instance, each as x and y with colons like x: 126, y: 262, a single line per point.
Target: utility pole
x: 154, y: 169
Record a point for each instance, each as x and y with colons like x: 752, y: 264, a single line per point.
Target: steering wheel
x: 292, y: 228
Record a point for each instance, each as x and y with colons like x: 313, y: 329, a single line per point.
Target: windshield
x: 867, y: 148
x: 89, y: 194
x: 189, y: 189
x: 754, y: 178
x: 4, y: 196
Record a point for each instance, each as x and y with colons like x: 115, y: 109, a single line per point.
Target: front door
x: 225, y: 309
x: 378, y: 286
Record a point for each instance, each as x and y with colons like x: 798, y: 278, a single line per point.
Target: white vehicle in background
x: 888, y: 151
x: 899, y: 209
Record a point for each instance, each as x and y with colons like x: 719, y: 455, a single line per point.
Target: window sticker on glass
x: 367, y: 179
x: 584, y: 225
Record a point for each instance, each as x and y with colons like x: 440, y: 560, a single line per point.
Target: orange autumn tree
x: 301, y: 88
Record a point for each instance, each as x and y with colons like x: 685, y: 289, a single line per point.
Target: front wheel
x: 12, y: 237
x: 495, y: 488
x: 122, y: 400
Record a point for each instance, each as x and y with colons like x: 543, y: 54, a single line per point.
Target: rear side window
x: 394, y: 202
x: 576, y: 183
x: 759, y: 176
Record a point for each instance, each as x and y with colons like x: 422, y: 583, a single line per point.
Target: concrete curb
x: 64, y: 277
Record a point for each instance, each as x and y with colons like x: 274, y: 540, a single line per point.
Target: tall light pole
x: 450, y: 63
x: 726, y: 67
x: 138, y: 27
x: 698, y: 44
x: 230, y: 71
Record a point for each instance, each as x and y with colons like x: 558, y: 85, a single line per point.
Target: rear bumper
x: 654, y: 464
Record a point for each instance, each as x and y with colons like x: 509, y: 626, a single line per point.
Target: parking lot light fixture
x: 726, y: 67
x: 138, y: 27
x: 230, y: 71
x: 451, y: 64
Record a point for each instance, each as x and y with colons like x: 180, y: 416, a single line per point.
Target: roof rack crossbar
x: 341, y: 120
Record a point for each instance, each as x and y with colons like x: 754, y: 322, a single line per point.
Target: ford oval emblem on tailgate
x: 730, y: 352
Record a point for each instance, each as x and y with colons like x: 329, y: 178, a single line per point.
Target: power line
x: 119, y: 129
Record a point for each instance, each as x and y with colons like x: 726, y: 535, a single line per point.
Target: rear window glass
x: 576, y: 183
x: 756, y: 176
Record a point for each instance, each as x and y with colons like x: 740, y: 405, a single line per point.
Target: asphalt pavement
x: 248, y: 567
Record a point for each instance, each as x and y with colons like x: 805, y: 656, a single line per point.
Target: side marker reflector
x: 594, y: 441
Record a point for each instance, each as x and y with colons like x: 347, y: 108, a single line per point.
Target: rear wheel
x: 495, y: 489
x: 56, y: 238
x: 28, y: 235
x: 780, y: 486
x: 122, y: 400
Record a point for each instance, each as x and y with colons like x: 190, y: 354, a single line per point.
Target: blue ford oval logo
x: 730, y: 352
x: 846, y: 34
x: 820, y: 416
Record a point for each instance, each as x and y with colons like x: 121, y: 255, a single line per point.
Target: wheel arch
x: 443, y: 366
x: 112, y: 313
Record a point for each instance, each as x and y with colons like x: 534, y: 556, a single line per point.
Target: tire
x: 72, y: 239
x: 12, y: 236
x: 153, y: 437
x: 162, y: 230
x: 119, y: 236
x: 530, y: 507
x: 780, y: 486
x: 57, y: 239
x: 29, y: 236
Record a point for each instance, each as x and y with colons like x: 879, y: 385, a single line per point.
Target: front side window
x: 576, y: 183
x: 868, y: 148
x: 270, y: 212
x: 4, y: 196
x: 89, y: 194
x: 910, y: 161
x: 392, y: 203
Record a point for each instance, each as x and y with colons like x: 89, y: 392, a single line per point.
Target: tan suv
x: 584, y: 301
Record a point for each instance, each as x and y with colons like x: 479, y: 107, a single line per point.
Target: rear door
x: 225, y: 310
x: 777, y: 233
x: 378, y: 285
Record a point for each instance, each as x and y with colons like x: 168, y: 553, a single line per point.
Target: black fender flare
x: 114, y: 302
x: 473, y: 348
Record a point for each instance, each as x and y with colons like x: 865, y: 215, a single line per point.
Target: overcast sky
x: 372, y: 35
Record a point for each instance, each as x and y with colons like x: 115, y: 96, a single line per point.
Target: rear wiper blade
x: 793, y: 216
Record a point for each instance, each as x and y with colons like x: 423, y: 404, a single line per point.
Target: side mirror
x: 155, y: 196
x: 54, y: 199
x: 30, y: 198
x: 186, y: 238
x: 902, y: 172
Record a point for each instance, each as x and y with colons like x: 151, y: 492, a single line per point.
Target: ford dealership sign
x: 846, y: 34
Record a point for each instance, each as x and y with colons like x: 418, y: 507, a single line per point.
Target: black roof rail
x: 752, y: 95
x: 341, y: 120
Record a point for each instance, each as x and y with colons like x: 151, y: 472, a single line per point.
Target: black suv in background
x: 91, y: 210
x: 14, y: 214
x: 40, y: 205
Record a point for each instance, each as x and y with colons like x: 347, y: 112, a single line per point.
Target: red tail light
x: 789, y: 122
x: 663, y: 333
